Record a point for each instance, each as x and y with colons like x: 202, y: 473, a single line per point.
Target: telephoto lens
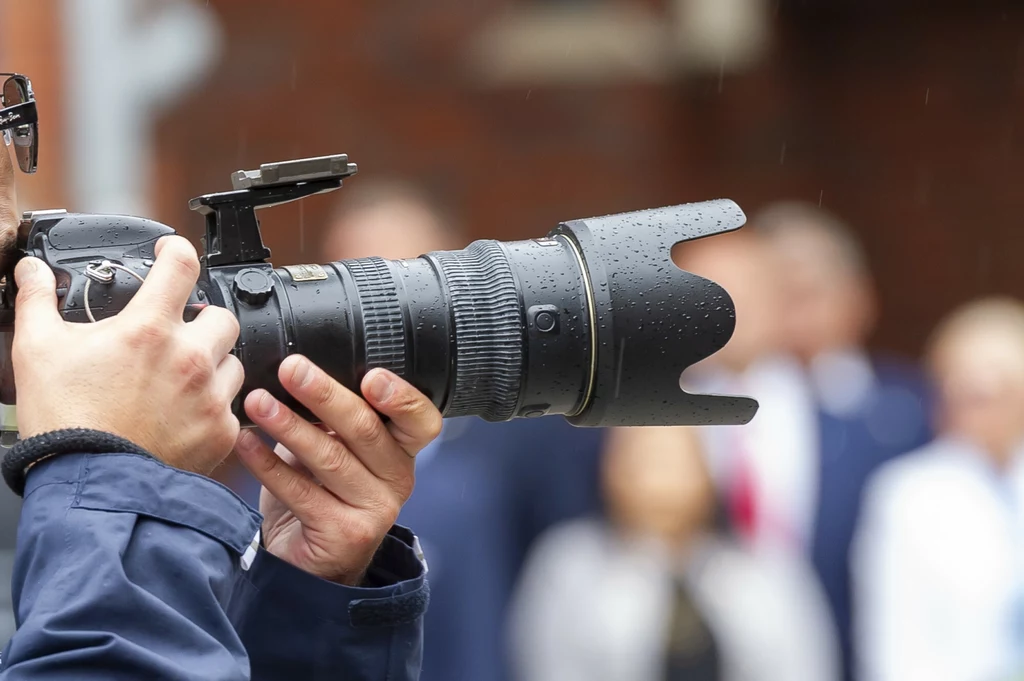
x: 593, y: 321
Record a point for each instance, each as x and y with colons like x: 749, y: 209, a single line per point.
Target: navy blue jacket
x: 129, y: 569
x: 895, y: 420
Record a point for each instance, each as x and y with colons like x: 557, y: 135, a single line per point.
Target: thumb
x: 36, y: 304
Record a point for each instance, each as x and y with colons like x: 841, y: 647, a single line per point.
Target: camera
x: 593, y: 321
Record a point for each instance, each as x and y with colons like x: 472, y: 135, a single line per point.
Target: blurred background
x: 877, y: 147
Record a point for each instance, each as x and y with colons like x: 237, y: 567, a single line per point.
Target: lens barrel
x: 594, y: 322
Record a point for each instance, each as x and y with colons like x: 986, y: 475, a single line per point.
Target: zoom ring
x: 383, y: 325
x: 488, y: 331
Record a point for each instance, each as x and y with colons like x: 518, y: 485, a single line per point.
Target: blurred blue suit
x: 886, y: 414
x: 484, y: 491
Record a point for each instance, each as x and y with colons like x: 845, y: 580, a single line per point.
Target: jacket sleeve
x: 124, y: 570
x: 297, y: 626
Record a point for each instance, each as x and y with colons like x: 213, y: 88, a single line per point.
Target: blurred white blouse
x: 937, y: 569
x: 592, y: 606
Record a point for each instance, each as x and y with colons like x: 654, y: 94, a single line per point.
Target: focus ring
x: 488, y: 328
x: 383, y: 324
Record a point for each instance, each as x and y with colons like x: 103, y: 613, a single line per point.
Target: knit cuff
x: 25, y: 453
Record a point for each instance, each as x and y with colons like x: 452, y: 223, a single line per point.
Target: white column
x: 127, y: 60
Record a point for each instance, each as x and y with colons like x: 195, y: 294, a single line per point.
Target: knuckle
x: 233, y: 366
x: 182, y: 255
x: 227, y: 432
x: 196, y: 366
x: 390, y: 508
x: 366, y: 428
x: 324, y: 388
x: 432, y: 424
x: 302, y: 493
x: 231, y: 431
x: 209, y: 409
x: 231, y: 322
x: 407, y: 399
x: 291, y: 426
x: 216, y: 407
x: 224, y: 319
x: 332, y: 459
x: 237, y: 372
x: 27, y: 293
x: 146, y: 333
x: 362, y: 533
x: 266, y: 464
x: 416, y: 407
x: 403, y: 485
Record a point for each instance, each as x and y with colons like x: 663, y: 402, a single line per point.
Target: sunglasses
x: 19, y: 120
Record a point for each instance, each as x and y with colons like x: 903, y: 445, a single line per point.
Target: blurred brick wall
x: 907, y: 125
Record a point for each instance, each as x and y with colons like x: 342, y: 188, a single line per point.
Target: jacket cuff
x: 395, y: 590
x: 133, y: 483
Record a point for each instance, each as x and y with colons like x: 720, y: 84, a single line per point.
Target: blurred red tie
x: 742, y: 494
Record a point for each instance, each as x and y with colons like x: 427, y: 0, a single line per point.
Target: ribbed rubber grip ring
x: 489, y: 331
x: 383, y: 324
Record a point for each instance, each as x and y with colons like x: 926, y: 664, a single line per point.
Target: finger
x: 228, y: 378
x: 414, y: 420
x: 327, y: 458
x: 170, y: 281
x: 348, y: 415
x: 217, y: 328
x: 303, y: 497
x: 36, y: 306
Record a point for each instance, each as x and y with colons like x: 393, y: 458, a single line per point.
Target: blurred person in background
x: 865, y: 410
x: 389, y: 219
x: 759, y: 466
x: 484, y: 490
x: 656, y: 591
x: 939, y: 557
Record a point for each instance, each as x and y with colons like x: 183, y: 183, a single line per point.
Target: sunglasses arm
x: 18, y: 115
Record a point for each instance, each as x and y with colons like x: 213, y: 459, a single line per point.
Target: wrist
x: 32, y: 450
x: 352, y: 579
x: 341, y: 575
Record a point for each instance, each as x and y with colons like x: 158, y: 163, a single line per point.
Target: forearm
x: 123, y: 571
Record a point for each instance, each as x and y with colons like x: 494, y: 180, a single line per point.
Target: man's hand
x: 9, y: 217
x: 144, y: 375
x: 330, y: 498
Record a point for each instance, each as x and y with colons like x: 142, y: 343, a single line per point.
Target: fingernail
x: 266, y: 406
x: 381, y: 387
x: 301, y: 373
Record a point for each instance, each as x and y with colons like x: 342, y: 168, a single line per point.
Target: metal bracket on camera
x: 100, y: 272
x: 232, y: 229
